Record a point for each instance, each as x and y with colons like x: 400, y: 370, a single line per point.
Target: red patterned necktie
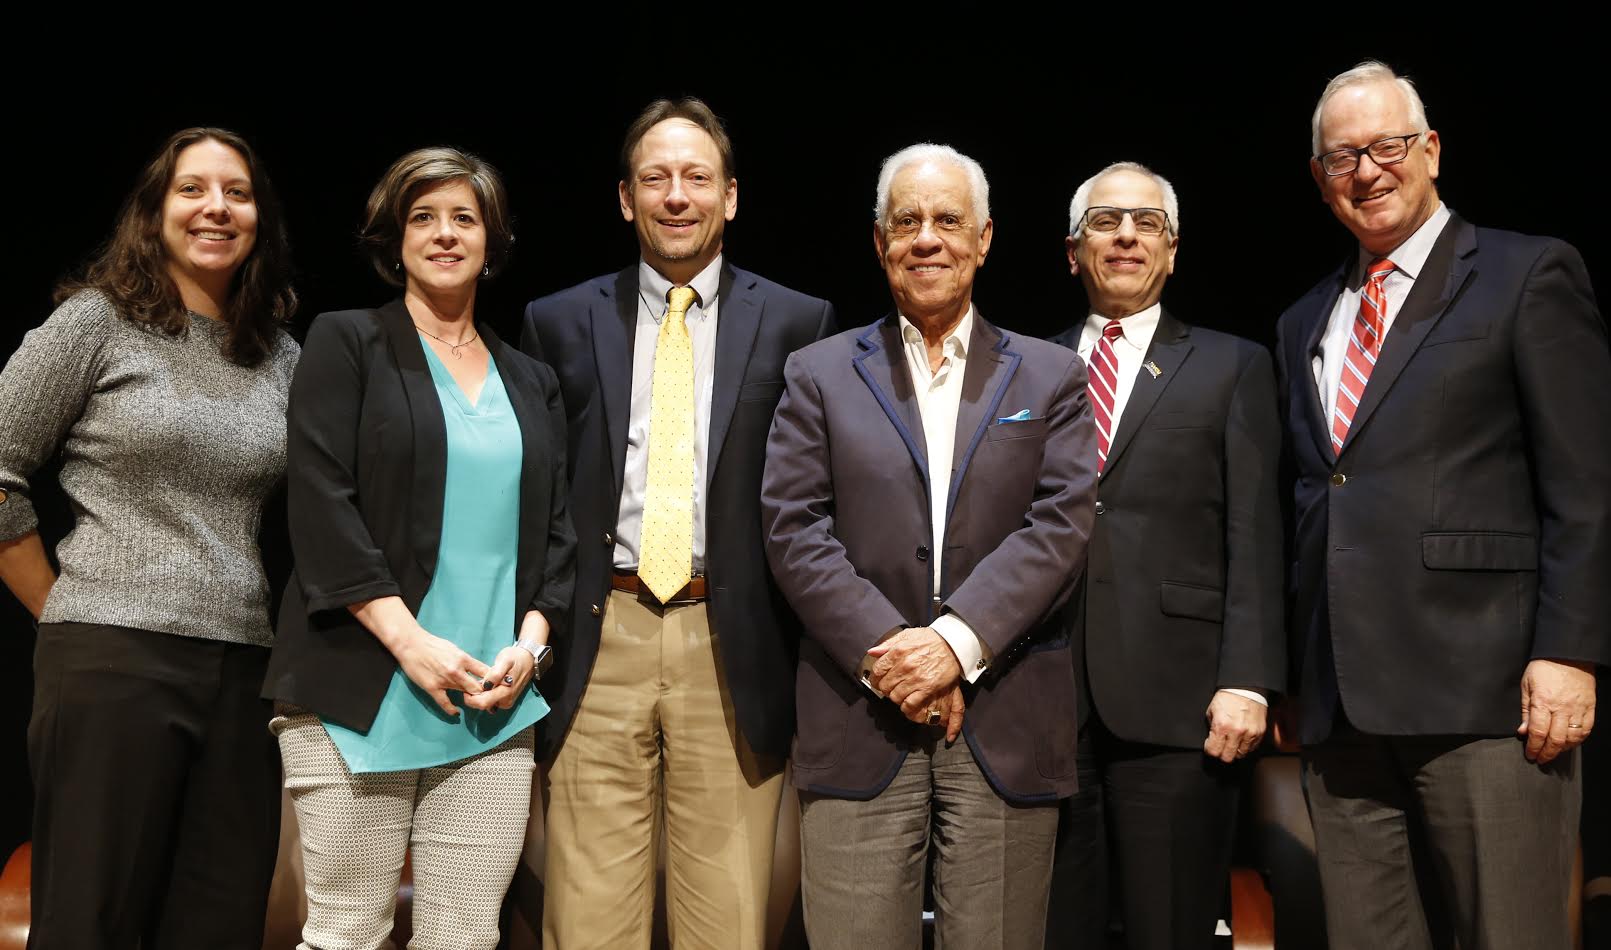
x: 1364, y: 343
x: 1103, y: 368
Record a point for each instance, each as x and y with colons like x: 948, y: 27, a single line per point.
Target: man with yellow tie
x: 674, y: 689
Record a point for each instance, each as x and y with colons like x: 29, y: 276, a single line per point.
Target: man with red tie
x: 1177, y: 624
x: 1447, y: 399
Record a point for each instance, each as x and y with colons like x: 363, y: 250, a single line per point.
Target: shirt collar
x: 1410, y: 256
x: 955, y: 345
x: 654, y: 287
x: 1138, y: 327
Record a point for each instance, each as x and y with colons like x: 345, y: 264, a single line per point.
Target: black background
x: 1221, y: 109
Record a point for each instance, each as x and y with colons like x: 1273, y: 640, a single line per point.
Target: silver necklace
x: 453, y: 348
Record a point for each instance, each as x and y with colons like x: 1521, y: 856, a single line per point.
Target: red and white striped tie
x: 1103, y: 370
x: 1364, y: 343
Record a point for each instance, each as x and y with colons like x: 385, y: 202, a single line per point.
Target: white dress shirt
x: 1408, y: 259
x: 652, y: 291
x: 1131, y: 350
x: 939, y: 397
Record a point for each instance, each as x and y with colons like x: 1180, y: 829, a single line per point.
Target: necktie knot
x: 1113, y: 330
x: 1379, y: 269
x: 678, y: 300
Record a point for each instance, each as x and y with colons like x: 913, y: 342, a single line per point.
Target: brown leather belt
x: 630, y: 583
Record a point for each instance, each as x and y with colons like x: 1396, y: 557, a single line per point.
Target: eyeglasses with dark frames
x: 1388, y: 151
x: 1105, y: 220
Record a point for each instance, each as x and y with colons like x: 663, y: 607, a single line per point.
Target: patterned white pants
x: 464, y: 824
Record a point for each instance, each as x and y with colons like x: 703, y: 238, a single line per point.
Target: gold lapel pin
x: 1153, y: 369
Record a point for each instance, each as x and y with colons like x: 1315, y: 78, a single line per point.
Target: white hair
x: 1367, y: 73
x: 978, y: 185
x: 1082, y: 197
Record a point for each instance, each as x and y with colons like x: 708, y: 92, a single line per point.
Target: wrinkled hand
x: 512, y: 662
x: 1555, y: 696
x: 913, y: 668
x: 437, y: 665
x: 1235, y: 726
x: 951, y: 705
x: 1286, y: 723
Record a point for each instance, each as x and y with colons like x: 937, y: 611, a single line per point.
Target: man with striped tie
x: 1447, y: 398
x: 1177, y: 625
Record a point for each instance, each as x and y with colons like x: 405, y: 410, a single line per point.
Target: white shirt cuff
x: 971, y: 651
x: 1252, y: 694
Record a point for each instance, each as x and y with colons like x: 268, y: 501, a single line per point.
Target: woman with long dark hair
x: 160, y: 382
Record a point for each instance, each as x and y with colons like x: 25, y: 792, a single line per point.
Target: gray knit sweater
x: 168, y: 450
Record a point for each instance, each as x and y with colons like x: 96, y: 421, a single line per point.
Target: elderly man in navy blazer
x: 1447, y: 398
x: 673, y: 688
x: 928, y: 494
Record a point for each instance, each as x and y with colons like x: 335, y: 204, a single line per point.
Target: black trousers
x: 1155, y: 824
x: 156, y: 815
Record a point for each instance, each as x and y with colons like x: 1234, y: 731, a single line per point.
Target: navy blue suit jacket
x: 1464, y: 528
x: 586, y: 334
x: 849, y: 527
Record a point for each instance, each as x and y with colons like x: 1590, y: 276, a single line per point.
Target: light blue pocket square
x: 1021, y: 415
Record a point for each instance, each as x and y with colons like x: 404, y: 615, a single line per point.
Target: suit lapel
x: 430, y: 433
x: 1171, y: 344
x: 882, y: 365
x: 615, y: 317
x: 1322, y: 304
x: 1452, y: 255
x: 989, y: 368
x: 738, y: 319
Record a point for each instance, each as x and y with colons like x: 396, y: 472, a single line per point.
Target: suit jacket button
x: 1101, y: 508
x: 1339, y: 479
x: 609, y: 539
x: 922, y: 552
x: 596, y: 610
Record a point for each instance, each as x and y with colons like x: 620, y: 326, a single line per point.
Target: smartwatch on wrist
x: 542, y: 657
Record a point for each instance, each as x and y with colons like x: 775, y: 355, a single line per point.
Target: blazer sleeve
x: 1563, y: 372
x: 559, y: 572
x: 1031, y: 573
x: 839, y: 609
x: 337, y: 560
x: 1252, y: 650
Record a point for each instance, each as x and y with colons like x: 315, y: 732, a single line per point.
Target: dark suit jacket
x: 1182, y: 591
x: 366, y: 467
x: 586, y: 334
x: 848, y: 533
x: 1465, y: 526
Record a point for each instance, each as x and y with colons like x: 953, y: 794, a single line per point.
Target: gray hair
x: 978, y: 186
x: 1082, y: 197
x: 1369, y: 72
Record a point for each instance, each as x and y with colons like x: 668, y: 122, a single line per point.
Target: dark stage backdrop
x: 1042, y: 109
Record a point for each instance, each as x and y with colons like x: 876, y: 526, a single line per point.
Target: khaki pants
x: 655, y: 729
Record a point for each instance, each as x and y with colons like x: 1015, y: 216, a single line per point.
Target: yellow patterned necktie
x: 666, y: 549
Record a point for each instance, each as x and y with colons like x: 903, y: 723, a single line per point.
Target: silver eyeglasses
x: 1148, y: 221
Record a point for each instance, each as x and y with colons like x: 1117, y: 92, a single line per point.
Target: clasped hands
x: 917, y: 670
x: 436, y: 665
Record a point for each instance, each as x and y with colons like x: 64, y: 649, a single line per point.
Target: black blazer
x: 1465, y: 526
x: 1182, y: 592
x: 586, y: 334
x: 366, y: 467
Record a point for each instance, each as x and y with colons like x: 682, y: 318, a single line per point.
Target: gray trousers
x: 863, y: 861
x: 1452, y: 835
x: 464, y: 822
